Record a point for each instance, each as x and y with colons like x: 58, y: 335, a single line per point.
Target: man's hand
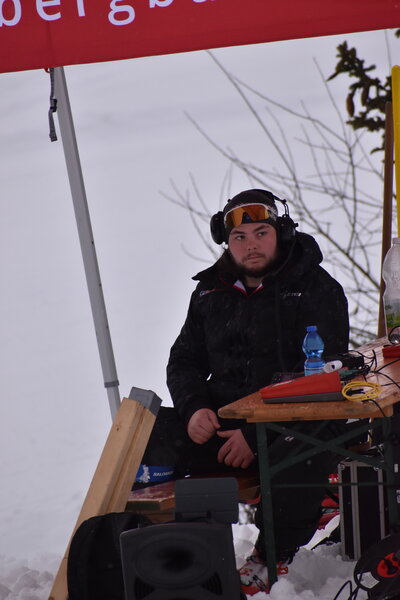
x: 202, y: 425
x: 235, y: 452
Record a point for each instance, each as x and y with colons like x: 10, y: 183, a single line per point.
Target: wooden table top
x: 254, y: 409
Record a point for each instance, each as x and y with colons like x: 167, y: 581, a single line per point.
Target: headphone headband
x: 286, y: 228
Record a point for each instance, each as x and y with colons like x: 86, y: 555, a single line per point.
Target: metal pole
x: 387, y: 209
x: 86, y: 240
x: 396, y: 134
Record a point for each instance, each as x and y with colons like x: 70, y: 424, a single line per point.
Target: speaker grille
x: 142, y: 589
x: 213, y: 585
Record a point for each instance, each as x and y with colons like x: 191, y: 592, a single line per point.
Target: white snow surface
x: 315, y: 574
x: 134, y: 137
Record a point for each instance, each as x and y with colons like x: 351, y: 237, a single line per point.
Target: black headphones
x: 286, y: 227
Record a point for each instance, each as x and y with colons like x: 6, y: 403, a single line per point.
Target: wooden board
x: 161, y: 497
x: 155, y: 498
x: 114, y: 475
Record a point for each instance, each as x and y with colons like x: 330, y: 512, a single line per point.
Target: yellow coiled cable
x: 373, y: 391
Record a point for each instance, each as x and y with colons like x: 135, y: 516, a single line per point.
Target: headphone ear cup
x: 217, y: 228
x: 287, y: 229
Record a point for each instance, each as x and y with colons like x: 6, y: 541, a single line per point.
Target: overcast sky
x: 134, y: 138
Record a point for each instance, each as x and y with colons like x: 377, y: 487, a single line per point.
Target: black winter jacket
x: 232, y: 343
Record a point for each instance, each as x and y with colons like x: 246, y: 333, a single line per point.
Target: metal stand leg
x: 267, y: 507
x: 391, y: 492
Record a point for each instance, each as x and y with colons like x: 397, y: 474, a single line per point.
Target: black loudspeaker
x: 192, y: 558
x: 286, y: 226
x: 192, y: 561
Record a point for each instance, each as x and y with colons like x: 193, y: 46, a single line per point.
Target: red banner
x: 50, y: 33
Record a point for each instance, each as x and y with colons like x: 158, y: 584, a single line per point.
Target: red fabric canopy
x: 50, y: 33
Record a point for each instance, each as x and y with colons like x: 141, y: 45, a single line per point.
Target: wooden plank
x: 155, y: 498
x: 253, y: 409
x: 242, y: 408
x: 114, y: 474
x: 316, y: 411
x: 100, y: 495
x: 161, y: 497
x: 132, y: 462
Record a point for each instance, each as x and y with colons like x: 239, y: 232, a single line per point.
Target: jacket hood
x: 303, y: 255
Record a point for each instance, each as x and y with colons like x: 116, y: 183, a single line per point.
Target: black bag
x: 94, y: 570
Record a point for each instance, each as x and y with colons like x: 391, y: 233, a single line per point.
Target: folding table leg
x: 393, y: 508
x: 266, y: 496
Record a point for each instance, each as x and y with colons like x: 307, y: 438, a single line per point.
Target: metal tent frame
x: 86, y: 239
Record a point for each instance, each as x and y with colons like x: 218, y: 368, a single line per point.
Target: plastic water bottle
x: 313, y: 347
x: 391, y: 297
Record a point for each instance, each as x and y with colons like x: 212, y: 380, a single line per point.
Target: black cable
x: 358, y: 579
x: 347, y: 583
x: 387, y: 377
x: 355, y: 594
x: 388, y: 364
x: 372, y: 359
x: 377, y: 405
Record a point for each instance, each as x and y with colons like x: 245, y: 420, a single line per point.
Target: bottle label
x: 392, y: 314
x: 313, y: 365
x: 308, y: 371
x: 392, y: 317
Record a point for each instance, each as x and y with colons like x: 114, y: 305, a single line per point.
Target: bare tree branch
x: 335, y: 201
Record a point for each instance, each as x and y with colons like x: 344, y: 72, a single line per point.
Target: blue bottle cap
x: 311, y: 328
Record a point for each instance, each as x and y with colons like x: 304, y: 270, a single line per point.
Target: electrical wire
x: 392, y: 381
x: 347, y: 583
x: 355, y: 391
x: 378, y: 406
x: 370, y: 396
x: 388, y: 364
x: 371, y: 361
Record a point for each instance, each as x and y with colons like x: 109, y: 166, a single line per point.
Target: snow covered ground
x: 314, y: 574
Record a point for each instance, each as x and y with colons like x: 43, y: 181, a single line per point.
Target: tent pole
x: 387, y: 208
x: 86, y: 240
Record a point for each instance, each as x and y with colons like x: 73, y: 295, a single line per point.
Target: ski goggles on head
x: 249, y: 213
